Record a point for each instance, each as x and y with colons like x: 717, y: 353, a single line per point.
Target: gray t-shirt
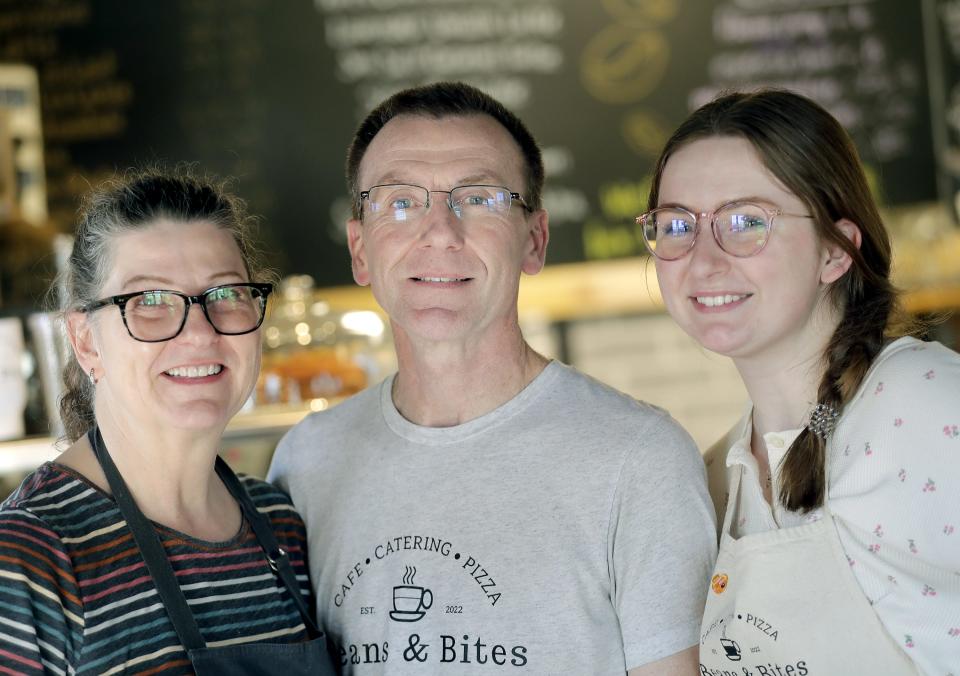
x: 569, y: 531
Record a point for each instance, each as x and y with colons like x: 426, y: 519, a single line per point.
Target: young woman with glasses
x: 838, y: 492
x: 139, y: 550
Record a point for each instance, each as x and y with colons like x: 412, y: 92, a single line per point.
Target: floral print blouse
x: 894, y: 491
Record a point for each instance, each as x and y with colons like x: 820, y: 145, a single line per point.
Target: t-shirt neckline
x: 438, y: 436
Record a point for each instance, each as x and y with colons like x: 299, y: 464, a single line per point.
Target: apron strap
x: 732, y: 498
x: 276, y: 555
x: 151, y: 549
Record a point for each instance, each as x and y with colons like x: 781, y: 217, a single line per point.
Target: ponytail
x: 76, y: 404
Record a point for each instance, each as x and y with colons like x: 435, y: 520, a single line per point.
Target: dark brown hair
x: 133, y: 201
x: 445, y: 99
x: 814, y: 157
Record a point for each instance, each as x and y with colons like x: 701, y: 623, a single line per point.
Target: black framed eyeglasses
x: 742, y: 229
x: 402, y: 203
x: 158, y: 315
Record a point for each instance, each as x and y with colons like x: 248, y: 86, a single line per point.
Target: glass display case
x: 312, y: 351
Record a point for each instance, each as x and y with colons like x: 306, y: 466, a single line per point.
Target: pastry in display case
x: 313, y: 353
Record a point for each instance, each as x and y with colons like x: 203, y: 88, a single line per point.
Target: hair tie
x: 823, y: 418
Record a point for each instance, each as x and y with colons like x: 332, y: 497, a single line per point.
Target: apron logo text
x: 768, y: 669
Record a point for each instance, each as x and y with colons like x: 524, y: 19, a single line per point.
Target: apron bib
x: 785, y: 603
x: 247, y: 659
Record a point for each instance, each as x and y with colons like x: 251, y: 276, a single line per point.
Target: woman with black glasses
x: 139, y: 550
x: 838, y: 491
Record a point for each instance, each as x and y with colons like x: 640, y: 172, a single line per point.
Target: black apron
x: 247, y: 659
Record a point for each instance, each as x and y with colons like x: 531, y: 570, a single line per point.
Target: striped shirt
x: 76, y: 597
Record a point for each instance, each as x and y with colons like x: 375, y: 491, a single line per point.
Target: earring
x: 93, y: 378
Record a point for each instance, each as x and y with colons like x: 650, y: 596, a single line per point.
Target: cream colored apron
x: 785, y: 603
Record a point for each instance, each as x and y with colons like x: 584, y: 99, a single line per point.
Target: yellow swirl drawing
x: 644, y: 133
x: 622, y: 64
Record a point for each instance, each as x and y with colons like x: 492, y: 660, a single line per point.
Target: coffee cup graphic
x: 410, y: 602
x: 731, y: 648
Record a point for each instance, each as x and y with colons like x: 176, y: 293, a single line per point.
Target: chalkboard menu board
x: 942, y: 31
x: 270, y: 92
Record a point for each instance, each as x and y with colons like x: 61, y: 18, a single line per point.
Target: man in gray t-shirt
x: 485, y: 510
